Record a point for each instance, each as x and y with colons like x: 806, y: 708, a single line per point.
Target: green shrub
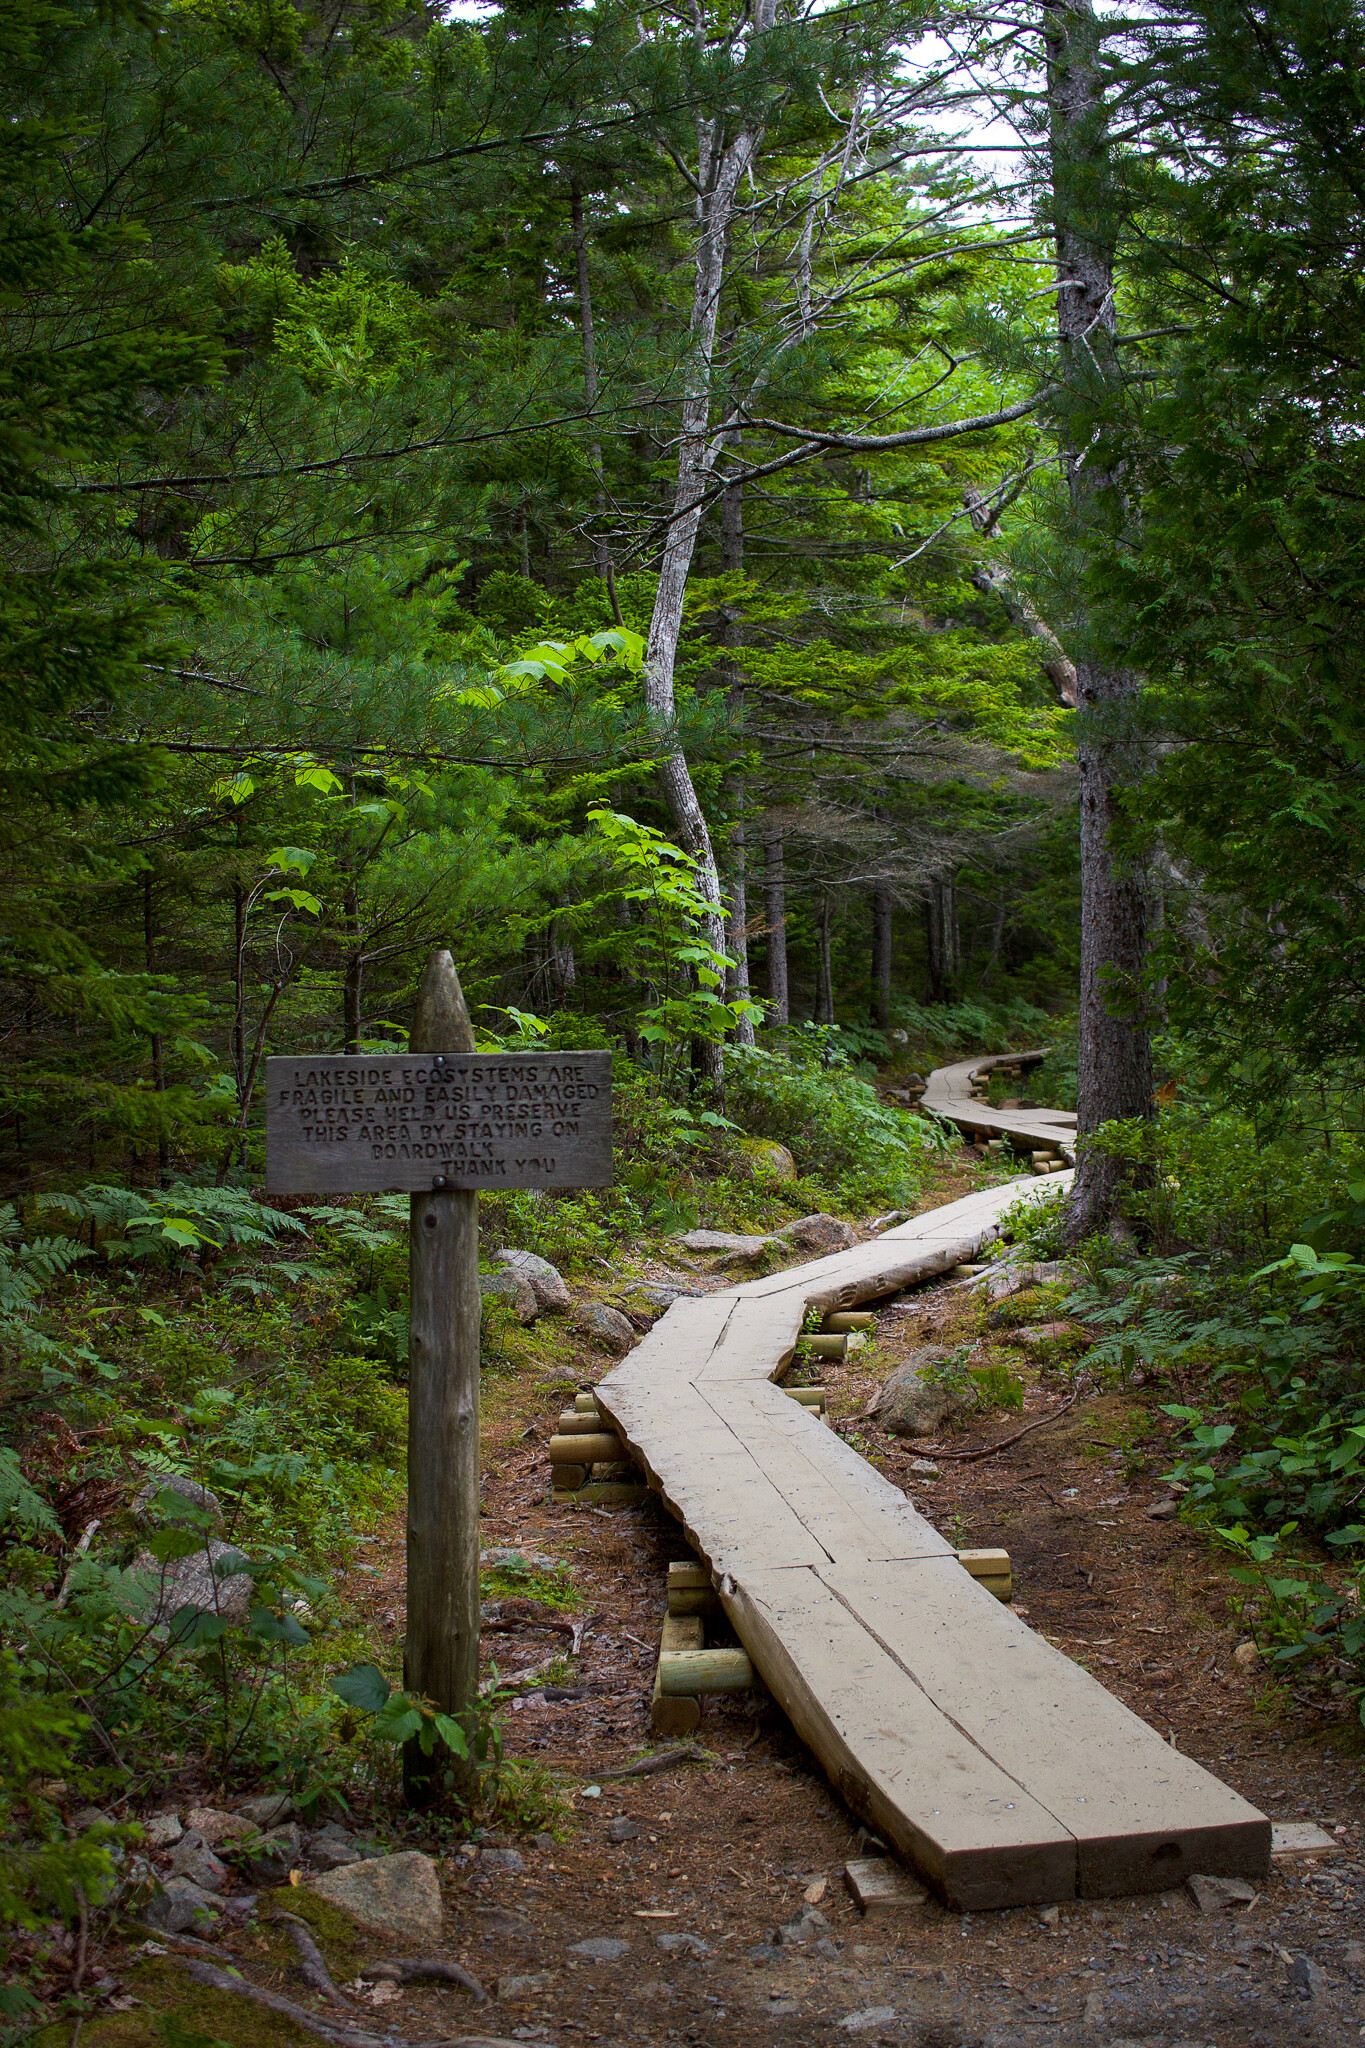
x: 835, y: 1125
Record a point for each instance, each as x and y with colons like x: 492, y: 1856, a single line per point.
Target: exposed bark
x: 732, y: 561
x: 775, y: 922
x: 994, y: 579
x: 149, y: 935
x: 881, y: 955
x: 354, y: 981
x: 720, y: 168
x: 824, y: 972
x: 941, y: 933
x: 1115, y: 1078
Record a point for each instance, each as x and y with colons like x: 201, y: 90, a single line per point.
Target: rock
x: 502, y: 1859
x: 820, y: 1233
x: 602, y: 1948
x: 162, y: 1830
x: 544, y: 1280
x: 394, y: 1896
x: 194, y: 1581
x: 270, y: 1858
x: 728, y: 1243
x: 682, y: 1945
x: 764, y: 1953
x: 768, y: 1157
x: 525, y: 1986
x: 1245, y: 1656
x: 890, y: 1220
x: 1163, y: 1510
x: 192, y: 1858
x: 183, y: 1907
x: 655, y: 1301
x: 335, y: 1848
x: 513, y: 1288
x: 1050, y: 1916
x: 1306, y: 1977
x: 623, y: 1829
x: 608, y: 1325
x: 810, y: 1925
x: 826, y: 1948
x: 863, y: 2022
x: 925, y: 1467
x: 93, y: 1817
x: 500, y: 1920
x: 146, y: 1511
x: 1039, y: 1336
x: 217, y: 1826
x: 907, y: 1404
x: 1220, y: 1894
x: 267, y: 1810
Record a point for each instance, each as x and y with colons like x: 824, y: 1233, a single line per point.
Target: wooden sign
x: 424, y: 1122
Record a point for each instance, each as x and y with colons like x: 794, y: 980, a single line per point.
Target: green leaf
x: 277, y: 1628
x: 364, y: 1686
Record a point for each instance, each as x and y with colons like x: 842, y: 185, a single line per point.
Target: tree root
x: 664, y: 1760
x: 973, y: 1457
x: 326, y: 2030
x: 315, y: 1972
x: 407, y: 1970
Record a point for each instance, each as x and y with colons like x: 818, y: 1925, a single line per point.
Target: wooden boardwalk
x: 997, y: 1767
x: 949, y: 1095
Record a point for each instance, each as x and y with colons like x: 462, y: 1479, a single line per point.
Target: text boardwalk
x: 414, y: 1121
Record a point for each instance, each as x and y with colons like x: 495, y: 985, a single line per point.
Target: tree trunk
x: 824, y: 976
x: 353, y: 987
x: 941, y: 933
x: 737, y: 977
x: 775, y: 919
x: 720, y: 168
x: 163, y: 1149
x: 1115, y: 1078
x: 881, y: 956
x: 995, y: 579
x: 591, y: 384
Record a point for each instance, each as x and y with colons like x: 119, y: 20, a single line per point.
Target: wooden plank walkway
x: 948, y: 1094
x: 1001, y: 1770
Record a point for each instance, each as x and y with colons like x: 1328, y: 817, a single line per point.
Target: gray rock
x: 334, y: 1848
x: 907, y: 1404
x: 889, y: 1220
x: 870, y: 2017
x: 502, y: 1859
x: 765, y: 1953
x: 808, y: 1927
x: 1306, y: 1977
x: 623, y: 1830
x: 267, y: 1810
x: 162, y: 1830
x: 728, y: 1243
x: 820, y: 1233
x: 545, y: 1282
x: 182, y: 1908
x: 195, y: 1581
x: 525, y: 1986
x: 1220, y: 1894
x: 1163, y: 1511
x: 192, y: 1858
x: 609, y: 1326
x: 826, y: 1948
x: 272, y: 1856
x: 682, y: 1945
x: 602, y: 1948
x: 146, y: 1511
x: 216, y: 1825
x: 925, y: 1467
x: 395, y: 1896
x: 659, y: 1299
x: 513, y: 1288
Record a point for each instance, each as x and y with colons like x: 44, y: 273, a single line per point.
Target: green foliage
x: 836, y: 1126
x: 42, y: 1872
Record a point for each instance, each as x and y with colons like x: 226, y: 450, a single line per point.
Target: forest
x: 805, y: 544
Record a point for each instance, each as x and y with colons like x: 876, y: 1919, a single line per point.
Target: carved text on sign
x: 415, y: 1120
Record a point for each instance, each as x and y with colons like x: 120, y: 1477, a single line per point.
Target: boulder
x: 545, y: 1282
x: 1044, y: 1336
x: 768, y: 1157
x: 608, y: 1326
x: 513, y: 1288
x: 820, y: 1233
x: 269, y: 1858
x: 394, y: 1897
x: 216, y: 1826
x: 146, y: 1511
x: 192, y: 1858
x: 162, y: 1830
x: 908, y: 1404
x: 195, y: 1581
x: 182, y: 1908
x: 267, y: 1809
x: 728, y: 1244
x: 335, y: 1848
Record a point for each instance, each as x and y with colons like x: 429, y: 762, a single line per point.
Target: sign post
x: 440, y: 1123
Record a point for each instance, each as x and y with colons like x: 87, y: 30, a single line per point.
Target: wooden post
x: 441, y: 1657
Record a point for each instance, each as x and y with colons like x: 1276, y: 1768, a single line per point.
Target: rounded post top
x: 440, y: 1022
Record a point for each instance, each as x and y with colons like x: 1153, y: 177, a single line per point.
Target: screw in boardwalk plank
x: 441, y: 1657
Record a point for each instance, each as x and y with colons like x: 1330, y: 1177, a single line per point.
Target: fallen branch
x: 664, y: 1760
x: 408, y: 1969
x: 316, y: 1975
x: 971, y: 1457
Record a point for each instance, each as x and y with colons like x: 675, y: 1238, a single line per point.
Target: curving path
x: 949, y: 1095
x: 1001, y: 1770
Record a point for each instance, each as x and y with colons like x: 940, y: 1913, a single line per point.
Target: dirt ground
x: 732, y: 1846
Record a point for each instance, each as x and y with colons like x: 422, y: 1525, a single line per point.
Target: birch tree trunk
x: 732, y: 561
x: 1115, y: 1047
x: 720, y: 167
